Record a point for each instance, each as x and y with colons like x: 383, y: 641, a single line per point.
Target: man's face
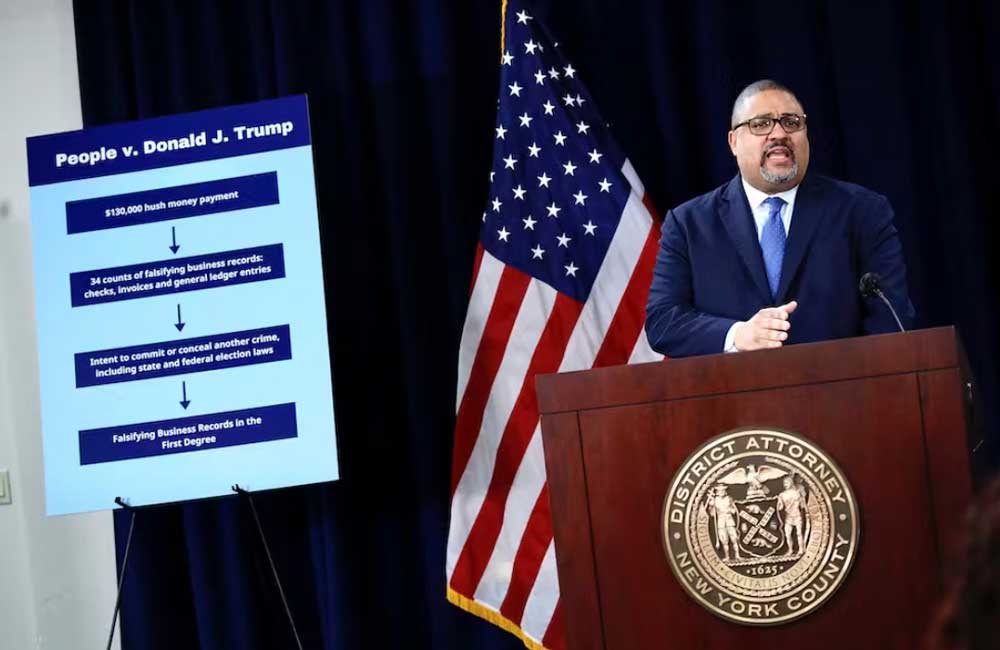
x: 777, y: 161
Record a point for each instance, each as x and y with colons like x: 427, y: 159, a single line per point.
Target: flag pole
x: 503, y: 25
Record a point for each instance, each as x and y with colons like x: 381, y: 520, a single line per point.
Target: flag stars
x: 579, y: 100
x: 564, y: 240
x: 492, y: 174
x: 589, y: 228
x: 605, y: 185
x: 501, y: 132
x: 525, y: 119
x: 571, y: 269
x: 523, y: 17
x: 559, y: 138
x: 496, y: 204
x: 519, y: 193
x: 509, y: 162
x: 537, y: 252
x: 595, y: 156
x: 539, y: 77
x: 543, y: 180
x: 515, y: 89
x: 568, y: 168
x: 569, y: 71
x: 503, y: 234
x: 530, y: 47
x: 569, y: 100
x: 553, y: 210
x: 581, y: 198
x: 553, y: 73
x: 582, y: 127
x: 533, y: 150
x: 529, y: 223
x: 508, y: 58
x: 549, y: 107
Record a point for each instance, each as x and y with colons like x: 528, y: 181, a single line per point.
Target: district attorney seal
x: 760, y: 526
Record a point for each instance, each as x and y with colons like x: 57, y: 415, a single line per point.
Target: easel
x: 263, y: 538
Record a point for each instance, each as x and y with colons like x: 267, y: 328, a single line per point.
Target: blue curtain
x: 903, y: 97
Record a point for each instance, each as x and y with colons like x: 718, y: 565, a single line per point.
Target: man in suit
x: 774, y: 256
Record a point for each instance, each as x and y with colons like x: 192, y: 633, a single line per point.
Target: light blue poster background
x: 296, y: 300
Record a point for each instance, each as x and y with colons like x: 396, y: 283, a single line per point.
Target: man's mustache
x: 774, y: 145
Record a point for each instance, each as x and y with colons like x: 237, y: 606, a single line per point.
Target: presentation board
x: 182, y: 329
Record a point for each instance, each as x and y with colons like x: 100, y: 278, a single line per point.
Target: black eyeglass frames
x: 763, y: 125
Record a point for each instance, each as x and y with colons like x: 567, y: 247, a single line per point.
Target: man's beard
x: 778, y: 179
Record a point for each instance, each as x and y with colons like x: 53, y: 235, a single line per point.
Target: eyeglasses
x: 790, y: 122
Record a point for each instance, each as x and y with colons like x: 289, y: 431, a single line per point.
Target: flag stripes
x: 559, y: 283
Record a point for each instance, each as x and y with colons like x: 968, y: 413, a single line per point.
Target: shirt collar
x: 756, y: 197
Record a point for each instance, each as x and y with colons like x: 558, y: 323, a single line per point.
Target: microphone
x: 870, y: 286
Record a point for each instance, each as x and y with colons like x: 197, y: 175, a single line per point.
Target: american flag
x: 561, y: 273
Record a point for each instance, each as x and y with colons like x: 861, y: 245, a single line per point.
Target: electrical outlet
x: 4, y: 487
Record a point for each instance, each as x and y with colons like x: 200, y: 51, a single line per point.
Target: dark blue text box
x: 194, y: 433
x: 177, y: 202
x: 174, y: 276
x: 200, y: 354
x: 171, y: 140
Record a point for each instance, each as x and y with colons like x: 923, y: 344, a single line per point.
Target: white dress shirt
x: 761, y: 213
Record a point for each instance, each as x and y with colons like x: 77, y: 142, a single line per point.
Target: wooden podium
x: 891, y: 410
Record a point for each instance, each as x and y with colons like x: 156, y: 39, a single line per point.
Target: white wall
x: 57, y: 575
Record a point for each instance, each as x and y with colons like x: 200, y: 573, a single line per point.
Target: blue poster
x: 182, y: 328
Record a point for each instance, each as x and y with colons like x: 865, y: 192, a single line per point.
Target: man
x: 773, y: 256
x: 792, y: 502
x: 722, y: 508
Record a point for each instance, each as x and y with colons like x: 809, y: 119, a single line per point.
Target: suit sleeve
x: 673, y: 326
x: 882, y: 253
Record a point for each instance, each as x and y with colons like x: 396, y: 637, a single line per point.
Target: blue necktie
x: 772, y: 243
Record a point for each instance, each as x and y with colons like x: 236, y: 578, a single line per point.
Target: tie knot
x: 774, y: 204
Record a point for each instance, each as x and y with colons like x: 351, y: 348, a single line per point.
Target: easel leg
x: 270, y: 560
x: 121, y: 578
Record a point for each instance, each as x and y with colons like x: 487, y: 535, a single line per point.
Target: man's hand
x: 767, y: 329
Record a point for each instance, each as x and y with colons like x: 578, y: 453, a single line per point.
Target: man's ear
x: 732, y: 142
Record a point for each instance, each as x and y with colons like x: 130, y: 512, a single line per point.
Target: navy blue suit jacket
x: 710, y: 271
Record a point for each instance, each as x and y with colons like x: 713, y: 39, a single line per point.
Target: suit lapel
x: 806, y: 217
x: 734, y: 211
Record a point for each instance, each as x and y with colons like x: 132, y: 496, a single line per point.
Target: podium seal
x: 760, y: 526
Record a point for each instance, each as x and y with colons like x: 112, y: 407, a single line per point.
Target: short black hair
x: 754, y: 88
